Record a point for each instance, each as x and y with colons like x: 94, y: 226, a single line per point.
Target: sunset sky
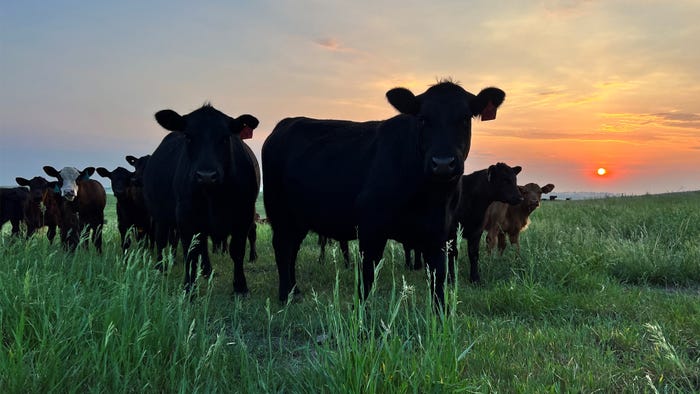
x: 589, y: 84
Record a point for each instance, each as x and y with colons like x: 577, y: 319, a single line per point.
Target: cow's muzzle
x: 443, y: 167
x: 207, y: 177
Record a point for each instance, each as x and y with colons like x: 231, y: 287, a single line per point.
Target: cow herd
x: 399, y: 178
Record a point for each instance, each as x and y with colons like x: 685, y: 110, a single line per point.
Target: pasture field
x: 603, y: 297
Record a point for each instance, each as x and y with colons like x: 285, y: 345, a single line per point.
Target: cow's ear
x: 129, y: 159
x: 86, y: 173
x: 22, y: 181
x: 170, y: 120
x: 522, y: 190
x: 486, y: 103
x: 103, y: 172
x: 547, y: 188
x: 404, y: 101
x: 54, y: 186
x: 238, y: 124
x: 244, y: 125
x: 488, y: 172
x: 517, y: 169
x: 50, y: 171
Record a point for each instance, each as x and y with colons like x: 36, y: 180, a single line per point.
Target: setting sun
x: 601, y: 171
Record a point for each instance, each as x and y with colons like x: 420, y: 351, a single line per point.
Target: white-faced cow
x: 203, y: 179
x: 503, y: 220
x: 378, y: 180
x: 83, y: 203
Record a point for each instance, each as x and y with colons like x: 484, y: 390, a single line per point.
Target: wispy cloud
x: 331, y: 44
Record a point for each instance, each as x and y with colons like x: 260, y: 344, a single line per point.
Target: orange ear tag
x: 489, y: 113
x: 246, y: 133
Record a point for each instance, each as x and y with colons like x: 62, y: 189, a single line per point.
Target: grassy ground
x: 604, y: 296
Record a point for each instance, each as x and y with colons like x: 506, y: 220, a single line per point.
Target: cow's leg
x: 97, y: 233
x: 161, y: 240
x: 452, y: 254
x: 252, y: 239
x: 123, y: 232
x: 322, y: 242
x: 345, y: 249
x: 15, y: 226
x: 236, y: 249
x: 407, y: 255
x: 435, y: 260
x: 501, y: 241
x: 286, y: 245
x: 473, y: 251
x: 51, y: 233
x: 515, y: 241
x: 371, y: 250
x: 194, y: 246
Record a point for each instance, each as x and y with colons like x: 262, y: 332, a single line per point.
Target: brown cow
x: 82, y: 205
x: 502, y: 219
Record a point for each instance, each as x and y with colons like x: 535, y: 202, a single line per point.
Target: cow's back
x: 314, y: 170
x: 158, y: 178
x: 92, y: 198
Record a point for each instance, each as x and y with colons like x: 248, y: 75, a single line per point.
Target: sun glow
x: 601, y: 171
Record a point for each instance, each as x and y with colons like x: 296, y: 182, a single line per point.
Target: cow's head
x: 69, y: 179
x: 37, y: 186
x: 443, y: 116
x: 503, y: 183
x: 207, y: 135
x: 139, y: 167
x: 120, y: 178
x: 532, y: 194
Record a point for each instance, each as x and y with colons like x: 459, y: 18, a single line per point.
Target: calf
x: 44, y: 208
x: 130, y: 212
x: 82, y: 205
x: 14, y: 203
x: 479, y: 189
x: 502, y: 219
x: 204, y: 180
x: 377, y: 180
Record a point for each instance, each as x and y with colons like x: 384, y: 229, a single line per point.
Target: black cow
x: 479, y: 190
x: 44, y: 208
x: 376, y: 180
x: 130, y: 214
x: 203, y: 179
x: 82, y: 205
x: 14, y: 202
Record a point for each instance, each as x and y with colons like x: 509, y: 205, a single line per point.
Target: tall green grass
x: 603, y: 296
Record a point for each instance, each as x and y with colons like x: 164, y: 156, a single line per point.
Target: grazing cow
x: 44, y: 208
x: 204, y: 180
x: 503, y: 219
x: 82, y: 205
x: 344, y: 248
x: 14, y: 202
x: 479, y: 190
x: 397, y: 178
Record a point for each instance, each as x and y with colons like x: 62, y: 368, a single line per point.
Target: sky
x: 589, y: 84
